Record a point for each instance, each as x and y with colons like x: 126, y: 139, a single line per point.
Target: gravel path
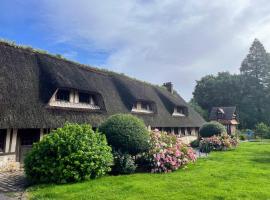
x: 12, y: 185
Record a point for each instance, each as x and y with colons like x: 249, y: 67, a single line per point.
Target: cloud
x: 158, y: 41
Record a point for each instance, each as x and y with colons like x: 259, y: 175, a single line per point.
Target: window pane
x: 144, y: 106
x: 2, y: 140
x: 84, y: 98
x: 62, y: 95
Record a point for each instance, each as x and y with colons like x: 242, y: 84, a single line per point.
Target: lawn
x: 243, y: 173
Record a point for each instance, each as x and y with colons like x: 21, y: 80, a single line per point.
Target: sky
x: 176, y: 41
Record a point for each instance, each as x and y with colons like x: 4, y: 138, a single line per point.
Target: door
x: 26, y: 139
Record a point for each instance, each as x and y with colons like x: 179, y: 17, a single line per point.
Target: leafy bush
x: 242, y: 137
x: 212, y: 128
x: 126, y: 133
x: 123, y: 163
x: 69, y: 154
x: 195, y: 143
x: 262, y: 130
x: 168, y: 152
x: 218, y: 143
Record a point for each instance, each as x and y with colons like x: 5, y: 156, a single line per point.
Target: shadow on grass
x: 263, y: 157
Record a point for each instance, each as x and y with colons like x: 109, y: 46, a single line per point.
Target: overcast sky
x: 153, y: 40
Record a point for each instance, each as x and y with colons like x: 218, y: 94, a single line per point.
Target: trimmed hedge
x: 126, y: 133
x: 212, y: 128
x: 69, y: 154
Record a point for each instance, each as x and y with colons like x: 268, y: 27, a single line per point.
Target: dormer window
x: 180, y: 111
x: 143, y: 107
x: 63, y: 95
x: 73, y: 99
x: 87, y: 98
x: 220, y: 113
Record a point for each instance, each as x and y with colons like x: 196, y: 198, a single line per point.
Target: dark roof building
x: 41, y: 92
x: 226, y: 116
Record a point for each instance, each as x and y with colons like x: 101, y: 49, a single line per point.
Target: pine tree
x: 256, y: 64
x: 255, y: 70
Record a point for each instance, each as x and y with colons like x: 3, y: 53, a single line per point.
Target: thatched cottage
x: 40, y: 92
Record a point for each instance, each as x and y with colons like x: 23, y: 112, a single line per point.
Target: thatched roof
x: 29, y: 78
x: 227, y: 112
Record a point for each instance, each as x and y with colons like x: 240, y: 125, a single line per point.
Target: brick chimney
x: 168, y: 86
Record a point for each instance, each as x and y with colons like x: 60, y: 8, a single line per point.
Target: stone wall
x: 188, y: 139
x: 8, y: 163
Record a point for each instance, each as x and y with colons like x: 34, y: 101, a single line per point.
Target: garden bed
x: 242, y: 173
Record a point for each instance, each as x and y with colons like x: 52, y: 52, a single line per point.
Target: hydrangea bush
x: 168, y: 152
x: 218, y: 143
x: 69, y: 154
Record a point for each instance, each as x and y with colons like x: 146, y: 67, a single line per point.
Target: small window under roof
x: 62, y: 95
x: 143, y: 107
x: 84, y: 97
x: 180, y: 111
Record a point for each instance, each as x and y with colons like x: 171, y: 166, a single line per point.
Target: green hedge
x: 212, y: 128
x: 126, y: 133
x: 69, y: 154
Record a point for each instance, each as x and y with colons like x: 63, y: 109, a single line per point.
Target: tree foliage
x: 249, y: 90
x: 262, y: 130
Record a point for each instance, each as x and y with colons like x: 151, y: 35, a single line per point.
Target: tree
x: 255, y: 70
x: 256, y: 64
x: 262, y: 130
x: 221, y: 90
x: 198, y: 109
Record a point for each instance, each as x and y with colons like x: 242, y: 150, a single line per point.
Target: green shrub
x: 212, y: 128
x: 123, y: 163
x: 262, y: 130
x: 69, y: 154
x: 242, y: 137
x: 195, y: 143
x: 126, y: 133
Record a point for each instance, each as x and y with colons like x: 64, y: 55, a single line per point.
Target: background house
x: 226, y: 116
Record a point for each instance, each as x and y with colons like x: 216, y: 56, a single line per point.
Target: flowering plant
x: 168, y: 153
x: 218, y: 143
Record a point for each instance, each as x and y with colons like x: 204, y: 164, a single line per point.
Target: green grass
x: 243, y: 173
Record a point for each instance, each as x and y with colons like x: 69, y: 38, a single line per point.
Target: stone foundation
x: 8, y: 163
x: 188, y: 139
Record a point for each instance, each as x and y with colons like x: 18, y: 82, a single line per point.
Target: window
x: 84, y: 98
x: 179, y: 111
x: 220, y: 115
x: 146, y: 106
x: 183, y: 131
x: 2, y: 140
x: 62, y: 95
x: 143, y: 107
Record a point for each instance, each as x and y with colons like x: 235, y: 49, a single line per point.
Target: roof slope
x: 28, y: 79
x: 228, y: 112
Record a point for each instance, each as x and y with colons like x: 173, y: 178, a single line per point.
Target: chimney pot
x: 168, y: 86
